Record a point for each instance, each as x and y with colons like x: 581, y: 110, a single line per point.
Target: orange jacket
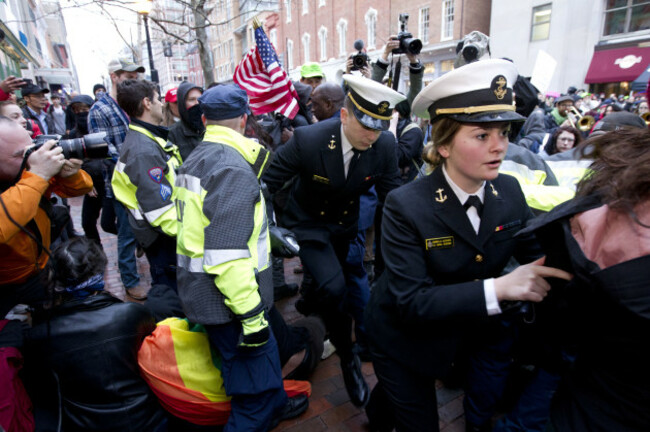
x: 19, y: 257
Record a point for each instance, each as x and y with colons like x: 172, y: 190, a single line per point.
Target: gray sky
x: 94, y: 40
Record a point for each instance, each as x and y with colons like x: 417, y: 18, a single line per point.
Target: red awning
x: 616, y: 65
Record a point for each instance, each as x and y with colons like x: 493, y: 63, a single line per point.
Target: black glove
x: 283, y: 242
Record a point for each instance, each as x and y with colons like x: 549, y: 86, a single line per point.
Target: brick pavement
x: 330, y: 408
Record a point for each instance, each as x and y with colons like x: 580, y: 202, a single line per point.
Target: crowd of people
x: 471, y: 231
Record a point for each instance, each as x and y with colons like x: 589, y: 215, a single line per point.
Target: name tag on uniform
x: 320, y: 179
x: 508, y: 226
x: 440, y: 242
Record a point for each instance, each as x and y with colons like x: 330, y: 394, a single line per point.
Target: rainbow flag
x: 184, y: 372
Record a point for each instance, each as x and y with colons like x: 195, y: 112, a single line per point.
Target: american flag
x: 266, y: 83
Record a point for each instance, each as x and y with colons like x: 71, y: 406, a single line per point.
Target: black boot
x: 355, y: 384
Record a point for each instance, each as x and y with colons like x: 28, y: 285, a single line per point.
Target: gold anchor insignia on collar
x: 441, y: 198
x: 332, y: 144
x: 494, y: 191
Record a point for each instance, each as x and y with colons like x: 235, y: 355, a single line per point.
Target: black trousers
x: 328, y: 294
x: 90, y: 210
x: 161, y: 255
x: 402, y: 399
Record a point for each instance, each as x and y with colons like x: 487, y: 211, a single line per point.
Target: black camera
x: 407, y: 43
x: 91, y: 146
x: 360, y: 59
x: 471, y: 48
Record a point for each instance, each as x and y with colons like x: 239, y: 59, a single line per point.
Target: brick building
x: 324, y: 31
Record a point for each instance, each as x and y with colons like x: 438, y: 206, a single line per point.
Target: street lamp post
x: 144, y: 8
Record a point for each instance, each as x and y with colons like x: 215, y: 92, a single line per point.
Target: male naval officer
x: 335, y: 161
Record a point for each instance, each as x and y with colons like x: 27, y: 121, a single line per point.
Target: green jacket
x: 223, y: 247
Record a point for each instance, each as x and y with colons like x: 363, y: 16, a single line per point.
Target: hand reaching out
x: 527, y: 282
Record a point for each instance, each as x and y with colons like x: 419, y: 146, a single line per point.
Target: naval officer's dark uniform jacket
x: 323, y: 202
x: 323, y: 210
x: 432, y: 291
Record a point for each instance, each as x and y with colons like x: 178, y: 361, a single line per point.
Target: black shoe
x: 294, y: 407
x: 305, y: 307
x: 283, y: 291
x: 473, y: 428
x: 354, y: 383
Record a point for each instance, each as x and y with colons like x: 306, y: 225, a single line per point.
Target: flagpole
x: 256, y: 23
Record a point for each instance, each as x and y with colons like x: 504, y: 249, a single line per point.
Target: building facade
x: 325, y: 31
x: 34, y: 44
x: 600, y: 45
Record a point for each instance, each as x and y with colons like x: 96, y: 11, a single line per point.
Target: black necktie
x: 356, y: 154
x: 474, y: 201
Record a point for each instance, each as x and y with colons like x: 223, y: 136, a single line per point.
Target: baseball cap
x: 32, y: 88
x: 170, y: 96
x: 564, y: 98
x: 618, y: 120
x: 124, y: 65
x: 310, y: 70
x: 224, y: 102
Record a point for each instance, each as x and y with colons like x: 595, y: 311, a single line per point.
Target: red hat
x: 171, y: 95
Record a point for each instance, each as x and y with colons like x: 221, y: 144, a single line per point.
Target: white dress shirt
x: 346, y: 148
x: 491, y: 301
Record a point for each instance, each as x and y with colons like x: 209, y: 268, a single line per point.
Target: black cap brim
x: 139, y: 69
x: 369, y: 121
x: 487, y: 117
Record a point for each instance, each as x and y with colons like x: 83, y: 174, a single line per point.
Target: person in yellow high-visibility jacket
x: 144, y: 178
x: 224, y: 266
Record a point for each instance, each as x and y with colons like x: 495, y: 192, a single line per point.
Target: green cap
x: 311, y: 70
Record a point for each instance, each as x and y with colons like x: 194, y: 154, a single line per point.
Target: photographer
x: 380, y: 67
x: 24, y: 220
x: 409, y: 135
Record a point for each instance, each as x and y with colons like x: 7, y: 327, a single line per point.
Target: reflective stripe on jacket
x: 539, y: 196
x: 222, y: 233
x: 144, y: 180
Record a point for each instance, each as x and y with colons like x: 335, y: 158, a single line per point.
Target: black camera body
x: 91, y: 146
x: 407, y: 43
x: 360, y: 59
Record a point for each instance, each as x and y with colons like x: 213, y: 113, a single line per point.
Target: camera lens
x: 72, y: 148
x: 358, y: 61
x: 470, y: 53
x: 91, y: 146
x: 413, y: 46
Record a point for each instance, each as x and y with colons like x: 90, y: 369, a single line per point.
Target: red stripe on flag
x: 268, y: 86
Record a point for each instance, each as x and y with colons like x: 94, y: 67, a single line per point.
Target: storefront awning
x: 641, y: 83
x: 55, y: 76
x: 616, y: 65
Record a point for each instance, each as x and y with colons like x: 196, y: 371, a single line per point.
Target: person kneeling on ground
x: 82, y: 352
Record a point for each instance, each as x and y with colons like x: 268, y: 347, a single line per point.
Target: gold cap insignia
x: 382, y: 107
x: 499, y: 84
